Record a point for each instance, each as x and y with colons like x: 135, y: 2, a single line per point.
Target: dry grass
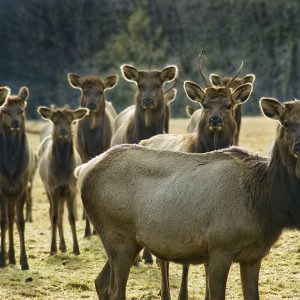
x: 66, y: 276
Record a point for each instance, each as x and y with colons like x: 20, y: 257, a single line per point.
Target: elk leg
x: 147, y: 257
x: 4, y: 223
x: 62, y: 243
x: 29, y: 203
x: 20, y: 220
x: 54, y: 223
x: 218, y: 269
x: 124, y: 255
x: 206, y: 283
x: 87, y: 231
x: 249, y: 276
x: 165, y: 286
x: 102, y: 282
x: 72, y: 221
x: 11, y: 220
x: 183, y: 293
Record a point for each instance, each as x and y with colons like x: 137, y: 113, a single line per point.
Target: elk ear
x: 189, y: 110
x: 45, y: 112
x: 24, y: 93
x: 110, y: 82
x: 75, y: 80
x: 4, y: 92
x: 271, y: 108
x: 242, y: 93
x: 216, y: 80
x: 194, y: 91
x: 130, y: 73
x: 170, y: 96
x: 168, y: 74
x: 249, y: 78
x: 80, y: 113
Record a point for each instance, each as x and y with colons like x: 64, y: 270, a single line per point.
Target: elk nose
x: 215, y: 120
x: 15, y: 124
x: 297, y: 148
x: 63, y: 132
x: 148, y: 102
x: 91, y: 106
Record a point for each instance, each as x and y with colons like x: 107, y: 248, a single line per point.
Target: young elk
x: 93, y: 133
x: 219, y: 81
x: 215, y: 223
x: 17, y: 165
x: 58, y: 159
x: 217, y: 129
x: 150, y: 112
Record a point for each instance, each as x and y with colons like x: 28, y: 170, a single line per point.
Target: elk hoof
x: 76, y: 250
x: 25, y: 266
x: 63, y: 248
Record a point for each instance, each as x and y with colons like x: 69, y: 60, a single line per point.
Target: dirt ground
x: 65, y: 276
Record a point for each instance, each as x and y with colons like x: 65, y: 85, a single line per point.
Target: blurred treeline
x: 42, y: 40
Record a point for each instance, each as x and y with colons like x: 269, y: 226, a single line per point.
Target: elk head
x: 288, y: 116
x: 92, y: 89
x: 150, y: 93
x: 62, y: 119
x: 218, y: 103
x: 13, y: 109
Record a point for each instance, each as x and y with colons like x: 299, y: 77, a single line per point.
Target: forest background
x: 42, y: 40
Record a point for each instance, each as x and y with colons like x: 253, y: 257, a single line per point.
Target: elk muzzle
x: 15, y: 125
x: 92, y: 106
x: 215, y: 123
x: 148, y: 103
x: 63, y: 133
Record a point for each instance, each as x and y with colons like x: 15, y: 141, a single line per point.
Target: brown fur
x: 151, y: 113
x: 17, y: 166
x: 222, y: 223
x: 93, y: 134
x: 58, y: 159
x: 216, y: 101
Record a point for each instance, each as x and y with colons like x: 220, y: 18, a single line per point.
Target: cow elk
x: 93, y: 133
x: 58, y: 159
x: 17, y: 165
x: 150, y: 114
x: 214, y: 208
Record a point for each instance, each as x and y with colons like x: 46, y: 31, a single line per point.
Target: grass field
x: 65, y: 276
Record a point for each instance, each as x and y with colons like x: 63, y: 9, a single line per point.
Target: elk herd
x: 194, y: 198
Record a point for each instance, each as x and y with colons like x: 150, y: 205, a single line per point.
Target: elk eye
x: 229, y: 107
x: 20, y: 112
x: 204, y: 106
x: 285, y: 124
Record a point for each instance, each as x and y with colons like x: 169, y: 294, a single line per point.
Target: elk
x: 58, y: 159
x: 28, y: 202
x: 17, y: 165
x: 214, y: 208
x: 169, y: 97
x: 150, y: 114
x: 217, y: 129
x: 219, y: 81
x: 93, y: 133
